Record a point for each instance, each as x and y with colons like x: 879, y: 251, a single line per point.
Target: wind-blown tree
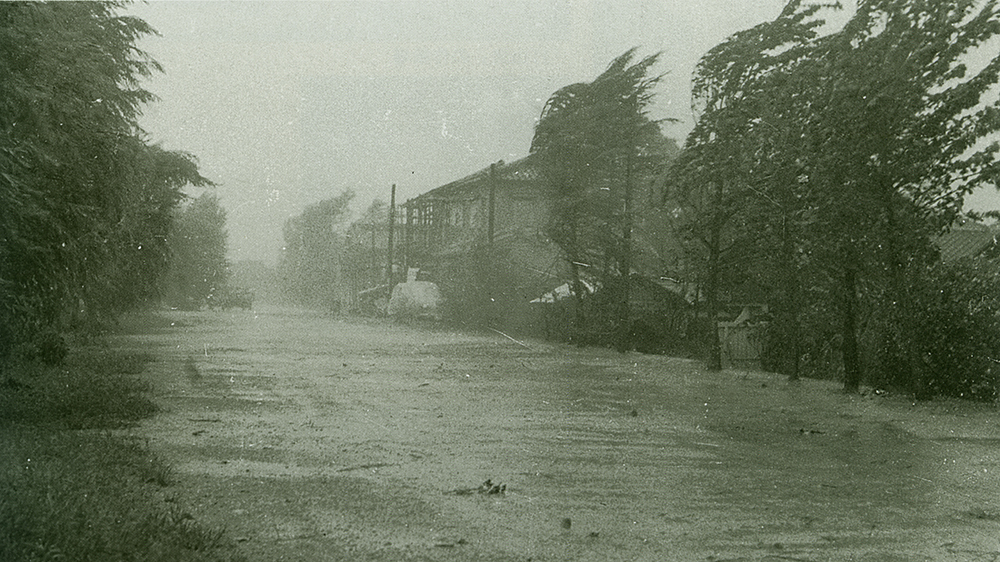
x: 882, y: 128
x: 311, y: 260
x: 715, y: 185
x: 894, y: 126
x: 366, y: 246
x: 78, y: 183
x: 137, y: 252
x: 198, y: 266
x: 592, y: 141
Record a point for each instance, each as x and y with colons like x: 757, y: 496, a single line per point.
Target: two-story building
x: 482, y: 240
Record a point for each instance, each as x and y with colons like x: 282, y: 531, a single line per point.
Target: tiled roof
x: 966, y: 241
x: 519, y: 170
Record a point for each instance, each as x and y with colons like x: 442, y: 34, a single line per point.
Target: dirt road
x: 318, y: 438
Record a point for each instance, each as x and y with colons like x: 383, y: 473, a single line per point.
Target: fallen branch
x: 520, y: 343
x: 487, y: 487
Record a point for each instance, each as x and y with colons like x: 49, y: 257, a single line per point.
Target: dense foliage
x: 823, y: 165
x: 365, y: 256
x: 85, y: 201
x: 592, y: 143
x: 954, y: 309
x: 714, y: 185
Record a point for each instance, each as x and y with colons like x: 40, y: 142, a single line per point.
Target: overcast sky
x: 286, y: 103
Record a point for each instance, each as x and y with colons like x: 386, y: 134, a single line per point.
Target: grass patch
x: 75, y: 495
x: 91, y: 390
x: 93, y: 496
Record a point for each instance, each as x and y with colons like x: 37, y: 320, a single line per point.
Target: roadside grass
x: 70, y: 488
x: 92, y: 390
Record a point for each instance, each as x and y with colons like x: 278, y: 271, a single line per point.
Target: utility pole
x: 373, y: 272
x: 493, y: 203
x: 392, y: 226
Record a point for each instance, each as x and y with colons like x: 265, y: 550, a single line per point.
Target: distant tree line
x: 86, y: 202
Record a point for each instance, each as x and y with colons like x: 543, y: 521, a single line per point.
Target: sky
x: 286, y: 103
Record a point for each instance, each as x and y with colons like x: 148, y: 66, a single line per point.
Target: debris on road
x: 487, y: 487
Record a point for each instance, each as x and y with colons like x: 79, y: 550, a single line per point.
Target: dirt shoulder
x: 320, y: 438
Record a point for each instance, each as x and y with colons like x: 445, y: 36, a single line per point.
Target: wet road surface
x: 312, y: 437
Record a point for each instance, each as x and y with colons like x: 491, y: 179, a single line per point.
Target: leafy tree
x: 366, y: 243
x: 364, y: 260
x: 730, y: 158
x: 893, y: 124
x: 136, y: 250
x: 591, y: 143
x: 198, y: 266
x: 882, y: 129
x: 311, y: 261
x: 78, y: 183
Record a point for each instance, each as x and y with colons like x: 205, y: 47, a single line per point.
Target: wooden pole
x: 392, y: 226
x: 404, y: 238
x: 373, y: 276
x: 493, y: 202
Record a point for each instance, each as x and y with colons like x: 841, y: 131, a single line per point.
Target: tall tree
x: 311, y: 260
x: 881, y: 125
x: 69, y: 100
x: 365, y: 252
x: 716, y: 183
x: 894, y: 124
x: 591, y: 142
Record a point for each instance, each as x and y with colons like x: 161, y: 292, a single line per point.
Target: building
x: 968, y: 239
x: 482, y: 240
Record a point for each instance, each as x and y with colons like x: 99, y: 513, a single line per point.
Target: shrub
x: 953, y: 345
x: 51, y: 348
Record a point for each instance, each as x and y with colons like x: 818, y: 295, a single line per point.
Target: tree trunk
x: 714, y: 258
x: 792, y: 306
x: 625, y: 263
x: 900, y: 318
x: 852, y: 361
